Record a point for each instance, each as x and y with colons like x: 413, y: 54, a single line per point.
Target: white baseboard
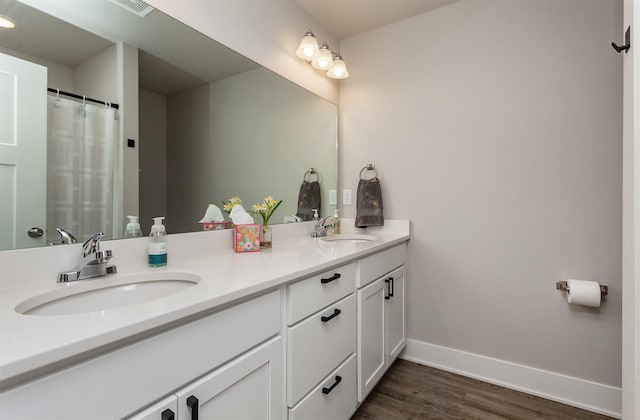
x: 592, y: 396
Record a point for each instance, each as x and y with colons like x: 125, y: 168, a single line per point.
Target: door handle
x: 389, y: 282
x: 35, y: 232
x: 167, y: 415
x: 192, y: 403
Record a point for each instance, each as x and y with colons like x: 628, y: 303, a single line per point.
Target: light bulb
x: 308, y: 49
x: 324, y: 61
x: 339, y: 70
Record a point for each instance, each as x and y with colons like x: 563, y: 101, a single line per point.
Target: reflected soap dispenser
x: 336, y: 223
x: 158, y: 244
x: 133, y: 228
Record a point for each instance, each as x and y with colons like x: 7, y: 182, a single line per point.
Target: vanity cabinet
x: 207, y: 353
x: 381, y: 315
x: 321, y: 345
x: 249, y: 387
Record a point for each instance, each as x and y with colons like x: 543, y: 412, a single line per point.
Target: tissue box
x: 216, y: 225
x: 246, y: 238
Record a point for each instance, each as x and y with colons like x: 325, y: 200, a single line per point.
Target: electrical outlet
x: 333, y: 197
x: 346, y: 197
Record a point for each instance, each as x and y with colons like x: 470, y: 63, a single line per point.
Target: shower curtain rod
x: 73, y: 95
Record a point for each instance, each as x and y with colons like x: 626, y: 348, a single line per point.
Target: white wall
x: 153, y: 157
x: 248, y: 134
x: 58, y: 76
x: 495, y: 126
x: 267, y: 32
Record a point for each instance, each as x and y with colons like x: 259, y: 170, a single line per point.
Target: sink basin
x: 348, y: 237
x: 107, y: 293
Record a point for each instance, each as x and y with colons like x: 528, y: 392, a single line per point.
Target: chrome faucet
x: 65, y: 238
x: 93, y: 262
x: 320, y: 228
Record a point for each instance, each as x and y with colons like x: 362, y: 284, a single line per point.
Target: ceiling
x: 345, y: 18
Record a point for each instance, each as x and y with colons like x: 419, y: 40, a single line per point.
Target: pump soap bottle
x: 133, y: 228
x: 158, y: 244
x: 336, y: 223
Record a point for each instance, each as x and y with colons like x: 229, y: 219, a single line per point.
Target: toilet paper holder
x: 563, y: 285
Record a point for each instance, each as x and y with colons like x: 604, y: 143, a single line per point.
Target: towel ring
x: 309, y: 173
x: 367, y: 168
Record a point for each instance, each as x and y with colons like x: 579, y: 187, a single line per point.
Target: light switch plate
x: 333, y: 197
x: 346, y: 197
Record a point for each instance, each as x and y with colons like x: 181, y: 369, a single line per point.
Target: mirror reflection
x: 195, y: 124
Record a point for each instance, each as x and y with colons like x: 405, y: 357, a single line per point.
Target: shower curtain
x: 81, y: 143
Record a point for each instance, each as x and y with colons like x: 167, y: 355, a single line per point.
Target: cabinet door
x: 372, y: 362
x: 166, y: 409
x: 396, y: 323
x: 249, y: 387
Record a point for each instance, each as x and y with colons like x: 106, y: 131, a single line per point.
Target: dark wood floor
x: 412, y: 391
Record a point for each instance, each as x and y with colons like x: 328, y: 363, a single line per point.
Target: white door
x: 396, y: 323
x: 371, y: 336
x: 631, y: 214
x: 23, y: 152
x: 248, y: 388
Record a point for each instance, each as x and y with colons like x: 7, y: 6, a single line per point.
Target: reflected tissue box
x: 216, y: 225
x: 246, y: 238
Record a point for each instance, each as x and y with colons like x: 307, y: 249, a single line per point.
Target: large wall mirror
x: 196, y: 124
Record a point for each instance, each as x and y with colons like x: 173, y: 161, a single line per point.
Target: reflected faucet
x: 65, y: 238
x: 93, y: 262
x: 320, y: 228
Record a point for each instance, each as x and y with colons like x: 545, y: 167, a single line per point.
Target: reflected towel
x: 308, y: 199
x: 369, y: 203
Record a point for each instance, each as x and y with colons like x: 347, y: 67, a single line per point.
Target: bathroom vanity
x: 303, y: 330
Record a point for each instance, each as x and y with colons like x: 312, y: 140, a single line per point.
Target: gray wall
x: 496, y: 128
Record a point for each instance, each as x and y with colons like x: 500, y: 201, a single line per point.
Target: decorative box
x: 216, y: 225
x: 246, y: 238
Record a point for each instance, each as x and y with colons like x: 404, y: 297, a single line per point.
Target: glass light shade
x: 339, y: 70
x: 308, y: 49
x: 324, y: 61
x: 6, y: 23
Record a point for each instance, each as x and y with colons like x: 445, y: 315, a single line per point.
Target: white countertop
x: 30, y: 343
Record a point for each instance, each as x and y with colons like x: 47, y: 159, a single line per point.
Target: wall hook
x: 627, y: 42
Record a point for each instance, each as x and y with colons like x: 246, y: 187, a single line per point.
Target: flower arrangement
x: 266, y: 209
x: 230, y: 204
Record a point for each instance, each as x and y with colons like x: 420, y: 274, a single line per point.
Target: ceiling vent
x: 137, y: 7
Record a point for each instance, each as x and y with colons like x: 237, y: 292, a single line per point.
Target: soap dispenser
x: 336, y: 223
x: 133, y: 228
x: 158, y: 244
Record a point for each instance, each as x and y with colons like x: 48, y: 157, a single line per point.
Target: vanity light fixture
x: 6, y: 22
x: 321, y: 58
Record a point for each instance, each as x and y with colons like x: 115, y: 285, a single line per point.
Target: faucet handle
x: 92, y: 245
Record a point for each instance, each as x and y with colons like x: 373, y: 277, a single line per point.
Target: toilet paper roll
x: 583, y: 292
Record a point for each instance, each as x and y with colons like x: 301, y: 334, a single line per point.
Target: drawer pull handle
x: 336, y: 276
x: 326, y: 390
x: 167, y: 415
x: 335, y: 313
x: 192, y: 403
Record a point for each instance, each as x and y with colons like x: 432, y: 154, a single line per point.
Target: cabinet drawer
x: 325, y: 402
x: 374, y: 266
x: 319, y: 344
x: 310, y: 295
